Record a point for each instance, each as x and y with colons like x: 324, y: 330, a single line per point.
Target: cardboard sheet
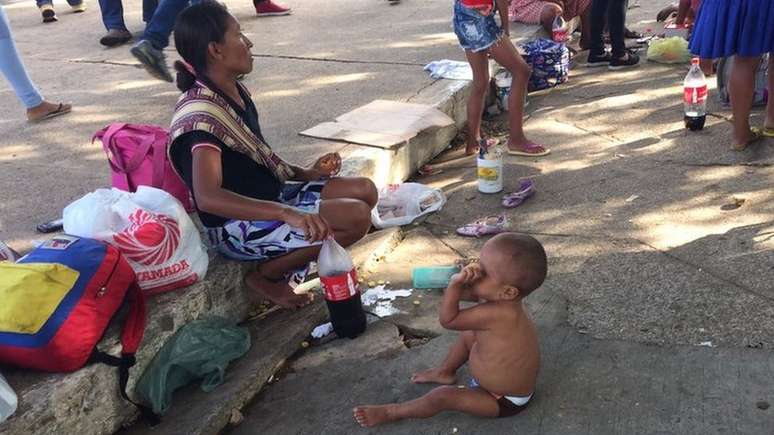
x: 381, y: 123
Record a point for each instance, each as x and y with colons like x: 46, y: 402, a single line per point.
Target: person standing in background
x: 743, y: 29
x: 47, y: 9
x: 13, y: 69
x: 113, y: 19
x: 149, y: 50
x: 619, y: 57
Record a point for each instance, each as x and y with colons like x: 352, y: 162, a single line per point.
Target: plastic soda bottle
x: 342, y: 294
x: 559, y: 30
x: 695, y: 97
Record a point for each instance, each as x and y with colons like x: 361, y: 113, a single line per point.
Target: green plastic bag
x: 201, y: 349
x: 669, y: 50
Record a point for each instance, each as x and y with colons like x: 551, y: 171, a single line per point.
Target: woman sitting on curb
x: 255, y: 205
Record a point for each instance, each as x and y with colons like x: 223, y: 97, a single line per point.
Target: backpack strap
x: 159, y: 146
x: 131, y: 336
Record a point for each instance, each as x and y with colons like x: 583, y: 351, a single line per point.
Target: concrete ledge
x: 449, y: 96
x: 88, y: 402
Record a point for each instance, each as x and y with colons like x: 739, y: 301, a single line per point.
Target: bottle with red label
x: 695, y: 97
x: 559, y: 30
x: 340, y: 288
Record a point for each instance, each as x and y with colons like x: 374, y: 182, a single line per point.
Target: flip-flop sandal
x: 515, y: 199
x: 60, y: 110
x: 755, y: 135
x: 768, y: 131
x: 531, y: 150
x: 484, y: 226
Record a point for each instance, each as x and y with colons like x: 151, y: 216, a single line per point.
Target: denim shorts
x: 476, y: 32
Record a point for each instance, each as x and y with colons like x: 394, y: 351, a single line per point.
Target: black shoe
x: 48, y: 14
x: 631, y: 60
x: 115, y: 37
x: 597, y: 60
x: 152, y: 59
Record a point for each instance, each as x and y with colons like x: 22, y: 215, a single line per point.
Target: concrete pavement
x: 656, y: 317
x: 310, y: 67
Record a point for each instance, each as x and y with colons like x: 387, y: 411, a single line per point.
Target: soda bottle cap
x: 695, y: 61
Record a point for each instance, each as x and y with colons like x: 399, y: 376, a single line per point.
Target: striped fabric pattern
x: 201, y: 108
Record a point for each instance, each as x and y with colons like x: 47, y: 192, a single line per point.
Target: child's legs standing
x: 506, y: 55
x: 474, y: 401
x: 741, y: 87
x: 480, y: 66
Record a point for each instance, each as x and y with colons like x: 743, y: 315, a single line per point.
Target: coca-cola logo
x: 150, y: 239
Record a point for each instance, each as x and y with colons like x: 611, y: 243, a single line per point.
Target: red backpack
x: 58, y: 301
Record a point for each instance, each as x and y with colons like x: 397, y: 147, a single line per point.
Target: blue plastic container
x: 433, y: 277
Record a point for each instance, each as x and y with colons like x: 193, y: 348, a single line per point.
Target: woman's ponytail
x: 185, y: 76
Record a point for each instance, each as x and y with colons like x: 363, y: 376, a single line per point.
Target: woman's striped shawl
x: 201, y: 108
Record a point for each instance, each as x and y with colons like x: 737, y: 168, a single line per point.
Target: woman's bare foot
x: 471, y: 149
x: 47, y: 110
x: 278, y: 292
x: 434, y: 376
x: 370, y: 416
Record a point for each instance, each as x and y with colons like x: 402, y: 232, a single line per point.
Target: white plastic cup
x: 490, y: 175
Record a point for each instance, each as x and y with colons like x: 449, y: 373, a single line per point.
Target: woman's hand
x: 327, y: 166
x: 313, y: 225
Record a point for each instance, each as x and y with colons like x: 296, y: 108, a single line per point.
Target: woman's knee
x: 366, y: 191
x: 440, y: 397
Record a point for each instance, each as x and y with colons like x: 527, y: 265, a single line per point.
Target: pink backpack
x: 138, y: 157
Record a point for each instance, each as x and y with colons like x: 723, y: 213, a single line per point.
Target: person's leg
x: 479, y: 63
x: 156, y: 37
x: 616, y: 18
x: 504, y: 53
x: 13, y: 69
x: 548, y: 15
x: 769, y: 123
x: 349, y: 219
x: 148, y: 9
x: 446, y: 373
x: 597, y: 16
x: 474, y: 401
x: 162, y: 22
x: 585, y: 17
x: 351, y: 187
x: 112, y: 14
x: 741, y: 87
x: 682, y: 11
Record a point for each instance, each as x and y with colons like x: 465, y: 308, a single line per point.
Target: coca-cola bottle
x: 695, y: 97
x: 559, y: 30
x: 340, y: 288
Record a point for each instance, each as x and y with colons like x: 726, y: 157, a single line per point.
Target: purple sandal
x: 484, y: 226
x: 515, y: 199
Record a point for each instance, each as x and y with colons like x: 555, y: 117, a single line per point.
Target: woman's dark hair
x: 196, y: 27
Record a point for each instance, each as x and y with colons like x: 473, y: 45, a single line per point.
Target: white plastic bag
x: 400, y: 204
x: 8, y: 400
x: 150, y: 227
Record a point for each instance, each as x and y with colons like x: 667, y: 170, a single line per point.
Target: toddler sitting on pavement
x: 497, y: 338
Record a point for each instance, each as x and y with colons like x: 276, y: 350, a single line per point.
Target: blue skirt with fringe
x: 733, y: 27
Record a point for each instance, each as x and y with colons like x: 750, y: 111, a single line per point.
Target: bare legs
x: 741, y: 88
x: 480, y: 66
x: 504, y: 53
x: 446, y: 373
x: 473, y: 401
x: 346, y: 206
